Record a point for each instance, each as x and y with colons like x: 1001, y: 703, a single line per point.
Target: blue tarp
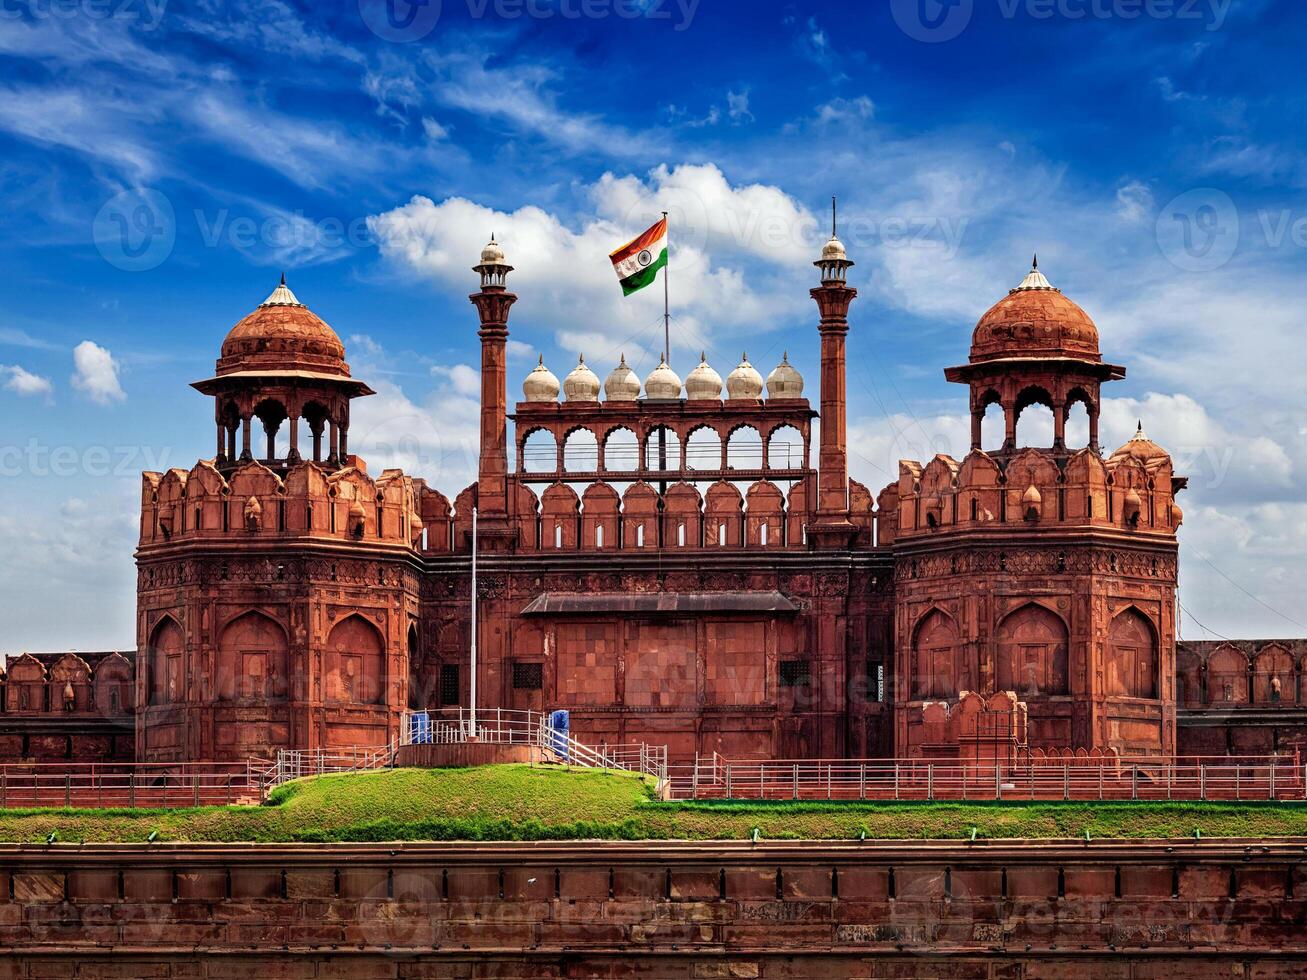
x: 419, y: 728
x: 560, y: 724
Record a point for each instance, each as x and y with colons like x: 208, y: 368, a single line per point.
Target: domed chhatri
x: 1140, y: 447
x: 785, y: 381
x: 622, y: 384
x: 582, y: 384
x: 703, y: 384
x: 1035, y: 320
x: 744, y: 382
x: 663, y: 384
x: 493, y: 253
x: 282, y: 334
x: 541, y: 385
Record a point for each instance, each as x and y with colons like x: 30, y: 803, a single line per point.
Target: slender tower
x: 493, y: 303
x: 832, y: 529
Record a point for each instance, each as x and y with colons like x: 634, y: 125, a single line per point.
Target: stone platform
x: 462, y: 755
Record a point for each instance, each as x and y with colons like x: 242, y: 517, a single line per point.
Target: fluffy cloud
x: 96, y: 374
x: 23, y: 382
x: 720, y: 234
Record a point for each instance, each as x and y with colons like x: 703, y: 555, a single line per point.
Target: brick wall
x: 1184, y: 909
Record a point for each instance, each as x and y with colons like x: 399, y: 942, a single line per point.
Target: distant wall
x: 659, y: 909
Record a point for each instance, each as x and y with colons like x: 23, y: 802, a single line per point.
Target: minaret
x: 832, y: 529
x: 493, y: 303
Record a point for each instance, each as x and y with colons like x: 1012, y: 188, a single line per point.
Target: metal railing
x: 517, y: 727
x: 162, y: 785
x: 712, y: 777
x: 298, y: 763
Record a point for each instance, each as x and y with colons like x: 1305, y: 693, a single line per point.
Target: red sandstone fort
x: 670, y: 564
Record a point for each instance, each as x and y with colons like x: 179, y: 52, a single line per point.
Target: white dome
x: 744, y: 382
x: 540, y: 385
x: 784, y: 381
x: 582, y: 384
x: 492, y: 254
x: 833, y: 250
x: 623, y: 384
x: 703, y: 383
x: 662, y: 383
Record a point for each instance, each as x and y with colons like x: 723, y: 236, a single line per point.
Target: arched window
x: 1131, y: 656
x: 539, y: 452
x: 354, y: 669
x: 1032, y: 653
x: 703, y: 449
x: 1078, y: 408
x: 1227, y: 676
x: 252, y: 660
x: 621, y: 451
x: 744, y: 449
x: 639, y: 535
x: 165, y: 662
x: 599, y: 535
x: 935, y: 652
x: 580, y: 452
x: 785, y: 449
x: 1034, y: 426
x: 662, y: 449
x: 993, y: 424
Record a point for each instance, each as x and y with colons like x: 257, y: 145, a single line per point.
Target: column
x: 493, y: 303
x: 832, y: 528
x: 245, y: 438
x: 294, y: 455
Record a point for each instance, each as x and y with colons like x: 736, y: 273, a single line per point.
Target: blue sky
x: 164, y: 161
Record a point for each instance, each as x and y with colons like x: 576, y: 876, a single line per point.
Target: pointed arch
x: 936, y: 647
x: 1032, y: 652
x: 1132, y: 656
x: 354, y: 669
x: 253, y: 661
x: 163, y: 658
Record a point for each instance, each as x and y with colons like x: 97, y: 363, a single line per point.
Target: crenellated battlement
x: 253, y: 502
x: 1131, y: 491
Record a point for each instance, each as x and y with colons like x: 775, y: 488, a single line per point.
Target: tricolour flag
x: 638, y: 261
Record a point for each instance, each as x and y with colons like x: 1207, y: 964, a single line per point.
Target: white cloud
x: 23, y: 382
x: 96, y: 374
x: 463, y: 378
x: 721, y: 234
x: 433, y: 130
x: 737, y: 106
x: 842, y: 110
x: 1134, y: 202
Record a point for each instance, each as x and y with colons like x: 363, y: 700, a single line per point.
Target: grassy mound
x: 526, y: 803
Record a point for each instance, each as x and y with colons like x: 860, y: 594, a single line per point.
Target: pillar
x: 493, y: 303
x: 294, y: 455
x: 832, y: 528
x: 245, y: 438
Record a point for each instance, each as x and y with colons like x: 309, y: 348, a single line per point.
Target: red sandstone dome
x: 1140, y: 447
x: 1035, y: 320
x: 281, y: 335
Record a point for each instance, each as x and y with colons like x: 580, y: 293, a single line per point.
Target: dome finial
x: 283, y: 278
x: 832, y: 217
x: 1034, y: 263
x: 1139, y: 429
x: 1034, y: 279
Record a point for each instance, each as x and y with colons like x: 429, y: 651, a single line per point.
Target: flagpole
x: 472, y: 694
x: 667, y: 319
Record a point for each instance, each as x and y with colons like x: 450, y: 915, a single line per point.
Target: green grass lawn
x: 525, y: 803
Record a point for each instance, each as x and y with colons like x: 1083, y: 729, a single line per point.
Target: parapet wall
x: 659, y: 909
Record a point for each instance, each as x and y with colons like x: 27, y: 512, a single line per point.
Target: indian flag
x: 638, y: 261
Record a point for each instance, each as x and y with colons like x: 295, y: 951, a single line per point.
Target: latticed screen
x: 528, y: 676
x: 795, y: 673
x: 449, y: 684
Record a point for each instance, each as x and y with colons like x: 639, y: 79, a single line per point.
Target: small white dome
x: 744, y: 382
x: 492, y: 254
x: 833, y: 251
x: 540, y: 385
x: 662, y: 383
x: 582, y: 384
x: 623, y: 384
x: 703, y: 383
x: 785, y: 381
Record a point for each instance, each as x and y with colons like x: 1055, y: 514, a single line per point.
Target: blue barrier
x: 560, y: 724
x: 419, y: 728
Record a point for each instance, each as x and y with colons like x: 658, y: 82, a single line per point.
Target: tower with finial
x: 493, y: 302
x: 832, y: 528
